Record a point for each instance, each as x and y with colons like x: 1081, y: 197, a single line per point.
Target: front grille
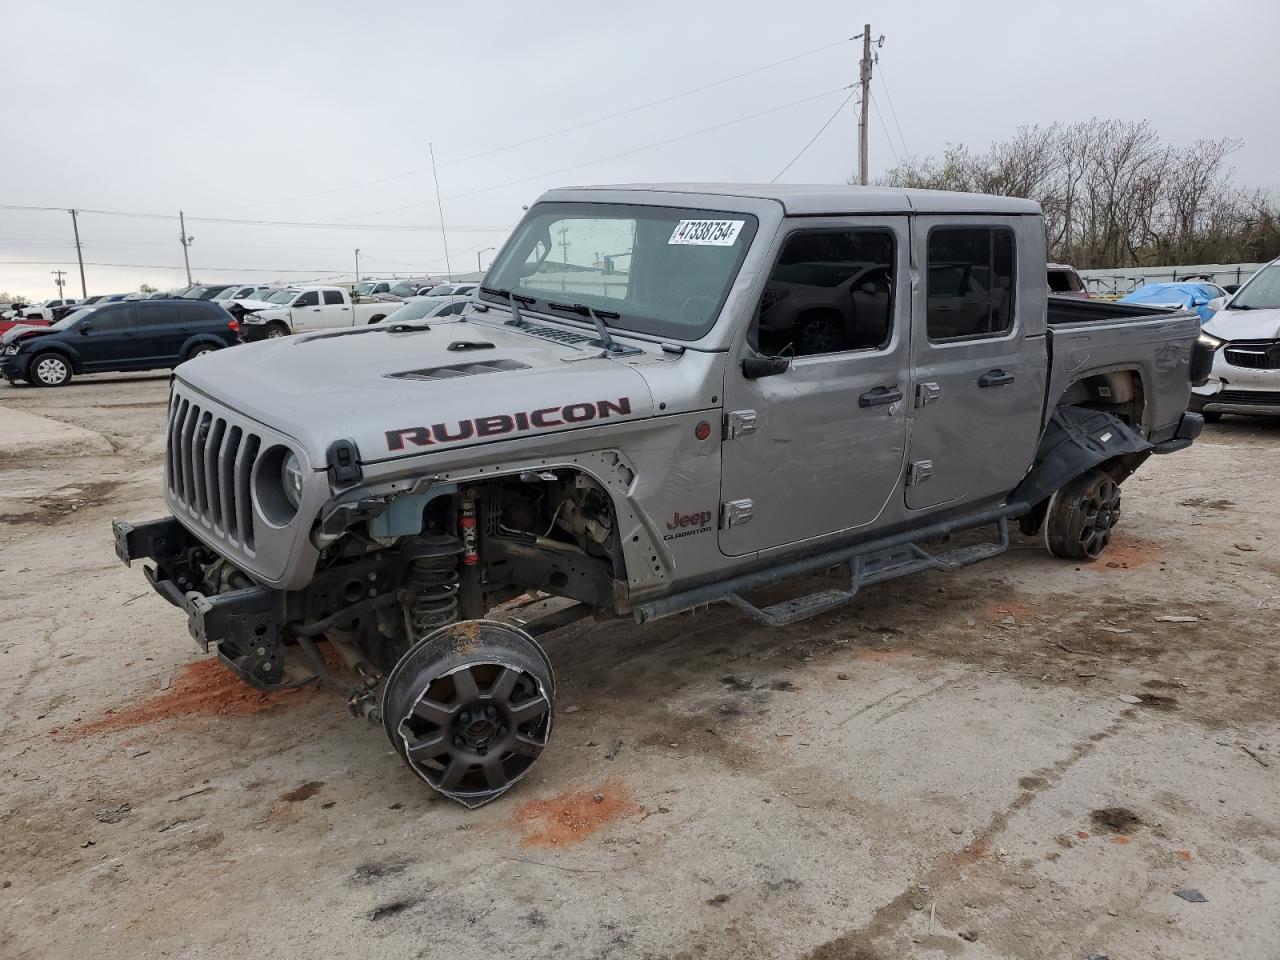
x: 1257, y: 398
x: 208, y: 463
x: 1262, y: 355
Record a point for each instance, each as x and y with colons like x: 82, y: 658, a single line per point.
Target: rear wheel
x: 469, y: 708
x: 1082, y: 516
x: 49, y: 370
x: 199, y: 350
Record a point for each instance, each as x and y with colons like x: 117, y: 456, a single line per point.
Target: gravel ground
x: 1017, y: 760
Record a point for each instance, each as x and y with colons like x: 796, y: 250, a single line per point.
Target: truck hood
x: 400, y: 394
x: 1245, y: 324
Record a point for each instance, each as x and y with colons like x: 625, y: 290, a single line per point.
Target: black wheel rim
x: 819, y: 336
x: 1100, y: 512
x: 474, y: 731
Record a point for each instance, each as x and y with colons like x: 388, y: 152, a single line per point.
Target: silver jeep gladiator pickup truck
x: 663, y: 396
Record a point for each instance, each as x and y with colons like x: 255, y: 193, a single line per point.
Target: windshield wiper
x: 610, y: 345
x: 515, y: 299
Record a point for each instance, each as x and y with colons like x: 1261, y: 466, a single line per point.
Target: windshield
x: 71, y: 318
x: 1260, y: 293
x: 404, y: 289
x: 282, y: 296
x: 440, y: 290
x: 193, y: 293
x: 362, y: 288
x: 414, y: 310
x: 664, y: 270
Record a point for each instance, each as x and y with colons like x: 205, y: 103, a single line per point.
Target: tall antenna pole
x: 864, y: 76
x: 444, y: 235
x: 186, y: 242
x: 84, y: 291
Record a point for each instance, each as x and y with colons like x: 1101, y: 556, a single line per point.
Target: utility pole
x: 84, y: 291
x: 186, y: 242
x: 444, y: 235
x: 864, y: 77
x: 57, y: 278
x: 564, y: 254
x: 357, y: 264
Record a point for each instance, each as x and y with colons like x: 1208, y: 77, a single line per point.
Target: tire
x: 49, y: 370
x: 1082, y: 516
x: 820, y: 334
x: 276, y: 330
x: 469, y: 708
x: 1211, y: 416
x: 199, y: 350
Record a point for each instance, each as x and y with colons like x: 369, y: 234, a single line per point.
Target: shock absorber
x: 432, y: 582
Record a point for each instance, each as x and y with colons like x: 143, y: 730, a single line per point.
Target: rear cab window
x: 969, y: 283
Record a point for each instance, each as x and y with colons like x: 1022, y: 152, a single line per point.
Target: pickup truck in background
x: 304, y: 309
x: 759, y: 383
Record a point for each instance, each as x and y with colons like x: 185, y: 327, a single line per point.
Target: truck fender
x: 1075, y: 440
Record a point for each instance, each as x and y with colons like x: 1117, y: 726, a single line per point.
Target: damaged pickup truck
x: 663, y: 397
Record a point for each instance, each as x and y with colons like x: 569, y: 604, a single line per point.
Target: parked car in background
x: 44, y: 310
x: 449, y: 290
x: 1196, y: 295
x: 128, y: 335
x: 1065, y: 282
x: 1245, y: 333
x: 303, y: 309
x: 427, y: 308
x: 369, y: 288
x: 249, y: 291
x: 204, y: 291
x: 66, y: 308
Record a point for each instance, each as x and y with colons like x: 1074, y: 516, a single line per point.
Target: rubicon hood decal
x: 548, y: 418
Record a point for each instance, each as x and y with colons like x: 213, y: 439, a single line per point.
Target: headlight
x: 291, y: 479
x: 10, y: 350
x: 1209, y: 342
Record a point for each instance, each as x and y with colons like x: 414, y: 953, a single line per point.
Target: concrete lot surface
x: 1021, y: 759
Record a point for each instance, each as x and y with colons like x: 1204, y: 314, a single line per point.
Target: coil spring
x: 433, y: 582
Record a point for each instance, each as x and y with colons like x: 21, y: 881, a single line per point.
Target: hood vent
x: 453, y: 370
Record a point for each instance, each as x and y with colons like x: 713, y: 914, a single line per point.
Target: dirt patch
x: 202, y: 689
x: 570, y: 818
x: 304, y: 792
x: 1129, y: 553
x: 973, y: 853
x: 1156, y: 702
x: 1004, y: 609
x: 63, y: 503
x: 1119, y: 820
x: 1205, y: 503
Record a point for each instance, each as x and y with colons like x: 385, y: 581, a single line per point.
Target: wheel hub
x: 479, y: 727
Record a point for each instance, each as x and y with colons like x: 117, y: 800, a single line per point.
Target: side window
x: 830, y: 291
x: 112, y: 321
x: 154, y: 316
x: 969, y: 291
x: 381, y: 288
x: 456, y: 308
x: 332, y: 297
x: 309, y: 299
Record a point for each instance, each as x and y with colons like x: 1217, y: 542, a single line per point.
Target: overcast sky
x: 244, y: 110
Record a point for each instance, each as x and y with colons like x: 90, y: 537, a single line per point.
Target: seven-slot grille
x: 1259, y: 355
x: 208, y: 464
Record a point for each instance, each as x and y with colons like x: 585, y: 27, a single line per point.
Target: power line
x: 884, y: 82
x: 821, y: 130
x: 888, y: 139
x: 561, y: 130
x: 612, y: 156
x: 476, y: 228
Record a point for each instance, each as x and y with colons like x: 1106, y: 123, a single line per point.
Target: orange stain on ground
x: 571, y: 817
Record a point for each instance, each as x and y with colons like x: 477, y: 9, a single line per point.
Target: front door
x: 820, y: 447
x: 979, y: 359
x: 306, y: 313
x: 108, y: 339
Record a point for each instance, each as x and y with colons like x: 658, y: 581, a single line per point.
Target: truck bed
x: 1087, y: 337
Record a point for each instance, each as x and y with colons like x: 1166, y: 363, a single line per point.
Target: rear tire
x: 1082, y: 516
x: 199, y: 350
x: 469, y: 708
x: 49, y: 370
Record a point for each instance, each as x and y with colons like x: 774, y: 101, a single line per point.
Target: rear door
x: 335, y: 308
x: 107, y: 339
x: 979, y: 358
x: 819, y: 448
x: 162, y: 331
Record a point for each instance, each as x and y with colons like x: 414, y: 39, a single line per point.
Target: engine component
x: 469, y: 708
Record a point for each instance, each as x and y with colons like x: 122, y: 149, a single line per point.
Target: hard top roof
x: 813, y: 199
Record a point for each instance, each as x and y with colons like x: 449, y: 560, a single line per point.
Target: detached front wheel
x: 469, y: 708
x: 1082, y: 516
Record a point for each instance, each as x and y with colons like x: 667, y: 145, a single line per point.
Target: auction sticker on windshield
x: 706, y: 233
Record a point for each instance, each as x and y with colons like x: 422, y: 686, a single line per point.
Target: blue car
x: 1192, y: 295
